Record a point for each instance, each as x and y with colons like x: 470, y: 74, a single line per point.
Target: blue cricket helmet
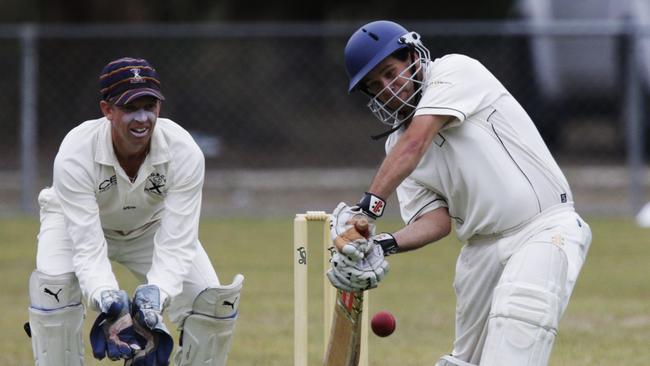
x: 369, y: 46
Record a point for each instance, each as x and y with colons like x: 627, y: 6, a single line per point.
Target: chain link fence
x: 267, y: 102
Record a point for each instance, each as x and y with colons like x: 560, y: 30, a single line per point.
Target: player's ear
x: 106, y: 109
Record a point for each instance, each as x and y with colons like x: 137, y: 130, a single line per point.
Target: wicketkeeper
x: 461, y: 149
x: 127, y: 188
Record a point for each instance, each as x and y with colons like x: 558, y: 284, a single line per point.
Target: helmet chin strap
x: 388, y: 132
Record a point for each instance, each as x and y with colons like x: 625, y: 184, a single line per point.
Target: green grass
x: 607, y: 322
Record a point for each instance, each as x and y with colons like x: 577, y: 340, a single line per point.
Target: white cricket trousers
x: 484, y: 264
x: 54, y: 257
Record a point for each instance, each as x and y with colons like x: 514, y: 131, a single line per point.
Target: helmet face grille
x: 403, y: 109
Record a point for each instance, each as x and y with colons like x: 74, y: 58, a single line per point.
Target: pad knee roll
x: 49, y: 292
x: 56, y: 319
x: 532, y: 286
x: 208, y: 330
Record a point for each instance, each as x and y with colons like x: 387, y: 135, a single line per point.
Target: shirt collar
x: 105, y: 154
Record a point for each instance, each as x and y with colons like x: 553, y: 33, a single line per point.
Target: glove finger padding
x: 340, y: 283
x: 113, y: 336
x: 368, y: 271
x: 343, y: 263
x: 377, y: 260
x: 158, y: 345
x: 341, y: 276
x: 150, y: 328
x: 343, y: 282
x: 98, y: 341
x: 112, y: 332
x: 355, y: 250
x: 363, y: 274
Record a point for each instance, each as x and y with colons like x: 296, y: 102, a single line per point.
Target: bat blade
x: 344, y: 345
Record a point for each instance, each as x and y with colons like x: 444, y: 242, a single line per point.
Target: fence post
x: 632, y: 115
x: 28, y: 118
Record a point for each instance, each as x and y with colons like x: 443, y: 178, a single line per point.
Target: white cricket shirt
x: 98, y: 200
x: 489, y: 165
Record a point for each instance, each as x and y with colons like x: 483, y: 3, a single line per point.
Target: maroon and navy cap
x: 126, y: 79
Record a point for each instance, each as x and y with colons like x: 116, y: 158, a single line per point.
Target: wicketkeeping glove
x: 342, y: 220
x: 112, y: 334
x: 360, y: 275
x: 150, y: 329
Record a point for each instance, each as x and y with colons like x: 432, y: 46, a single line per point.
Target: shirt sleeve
x: 458, y: 86
x: 74, y: 187
x: 415, y: 200
x: 175, y: 242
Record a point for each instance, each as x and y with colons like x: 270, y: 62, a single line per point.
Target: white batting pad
x: 643, y: 217
x: 55, y: 319
x: 449, y: 360
x: 526, y: 307
x: 208, y: 330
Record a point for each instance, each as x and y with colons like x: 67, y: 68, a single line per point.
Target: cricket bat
x: 344, y: 345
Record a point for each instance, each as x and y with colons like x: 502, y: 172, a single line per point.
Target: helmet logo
x: 372, y: 35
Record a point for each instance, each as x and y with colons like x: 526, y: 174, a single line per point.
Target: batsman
x: 460, y: 149
x: 127, y: 187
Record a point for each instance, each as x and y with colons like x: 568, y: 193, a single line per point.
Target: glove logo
x: 376, y: 206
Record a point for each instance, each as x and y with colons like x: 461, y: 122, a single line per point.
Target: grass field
x: 607, y: 322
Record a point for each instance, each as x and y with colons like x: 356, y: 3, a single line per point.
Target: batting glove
x: 148, y: 323
x: 372, y: 205
x: 342, y: 219
x: 387, y: 242
x: 112, y: 334
x: 361, y: 275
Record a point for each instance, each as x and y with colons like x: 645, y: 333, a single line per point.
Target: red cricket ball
x: 383, y: 324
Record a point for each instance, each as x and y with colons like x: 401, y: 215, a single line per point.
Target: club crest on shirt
x: 155, y: 184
